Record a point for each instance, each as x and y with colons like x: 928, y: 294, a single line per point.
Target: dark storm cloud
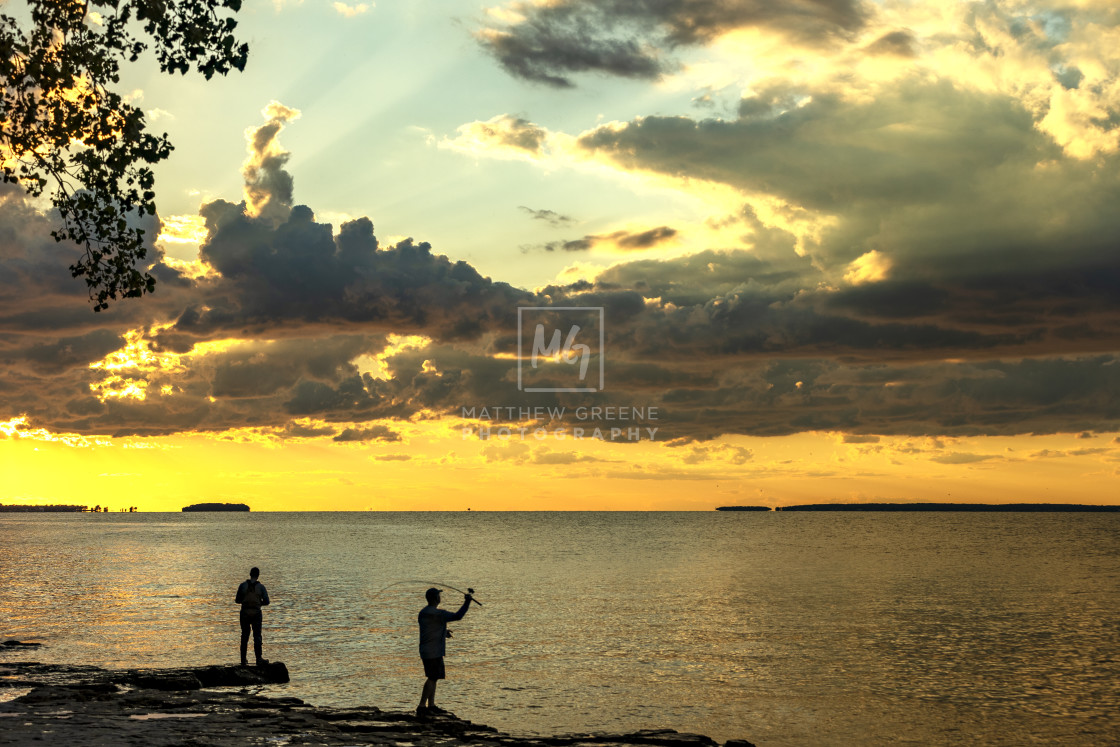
x: 39, y: 296
x: 824, y: 153
x: 49, y: 334
x: 303, y: 303
x: 263, y: 369
x: 994, y: 239
x: 58, y: 355
x: 939, y: 177
x: 630, y: 38
x: 705, y: 398
x: 297, y: 275
x: 626, y: 240
x: 282, y: 271
x: 997, y: 314
x: 245, y: 385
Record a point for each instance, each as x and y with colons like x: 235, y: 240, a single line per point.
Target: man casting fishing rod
x: 433, y: 634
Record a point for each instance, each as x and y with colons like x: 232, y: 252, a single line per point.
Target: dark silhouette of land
x: 743, y: 508
x: 154, y: 707
x: 216, y: 507
x: 973, y: 507
x: 35, y: 509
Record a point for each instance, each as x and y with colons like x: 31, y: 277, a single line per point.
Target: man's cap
x: 431, y: 593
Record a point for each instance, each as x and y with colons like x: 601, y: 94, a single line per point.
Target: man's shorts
x: 433, y: 668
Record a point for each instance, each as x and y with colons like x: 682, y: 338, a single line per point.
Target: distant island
x: 216, y: 507
x: 975, y: 507
x: 58, y: 508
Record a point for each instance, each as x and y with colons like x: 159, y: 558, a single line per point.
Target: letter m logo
x: 556, y: 346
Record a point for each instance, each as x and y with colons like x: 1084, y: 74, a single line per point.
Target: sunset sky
x: 845, y: 251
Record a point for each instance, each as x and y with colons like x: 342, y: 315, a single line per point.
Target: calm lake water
x: 781, y: 628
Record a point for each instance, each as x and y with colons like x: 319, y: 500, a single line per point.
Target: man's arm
x: 462, y: 610
x: 240, y: 593
x: 264, y: 594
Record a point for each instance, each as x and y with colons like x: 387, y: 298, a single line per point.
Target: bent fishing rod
x: 469, y: 592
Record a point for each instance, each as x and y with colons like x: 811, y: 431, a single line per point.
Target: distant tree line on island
x: 973, y: 507
x: 216, y: 507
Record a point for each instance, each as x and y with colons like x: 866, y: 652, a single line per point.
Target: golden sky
x: 826, y: 251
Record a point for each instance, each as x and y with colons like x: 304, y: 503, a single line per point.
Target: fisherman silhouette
x: 433, y: 635
x: 252, y: 595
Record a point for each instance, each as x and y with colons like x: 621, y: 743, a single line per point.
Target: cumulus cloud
x: 268, y: 187
x: 281, y: 272
x: 515, y: 137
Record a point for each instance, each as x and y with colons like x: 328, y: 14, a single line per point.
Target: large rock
x: 194, y: 678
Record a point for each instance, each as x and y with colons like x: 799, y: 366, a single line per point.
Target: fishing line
x: 432, y: 583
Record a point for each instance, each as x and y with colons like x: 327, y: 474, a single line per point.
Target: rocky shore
x: 48, y: 704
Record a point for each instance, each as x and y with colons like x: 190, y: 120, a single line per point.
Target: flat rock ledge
x: 85, y: 705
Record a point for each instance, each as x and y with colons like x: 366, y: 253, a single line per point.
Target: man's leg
x: 245, y: 625
x: 258, y: 639
x: 428, y: 694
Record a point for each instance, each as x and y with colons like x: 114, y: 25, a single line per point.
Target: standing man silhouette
x: 433, y: 634
x: 251, y: 595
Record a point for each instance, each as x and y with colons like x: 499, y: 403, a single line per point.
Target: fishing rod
x: 469, y: 592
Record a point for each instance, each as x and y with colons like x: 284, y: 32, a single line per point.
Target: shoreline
x: 217, y: 705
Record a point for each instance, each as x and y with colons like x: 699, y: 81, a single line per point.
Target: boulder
x: 218, y: 675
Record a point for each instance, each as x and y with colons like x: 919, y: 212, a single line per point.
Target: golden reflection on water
x: 784, y: 629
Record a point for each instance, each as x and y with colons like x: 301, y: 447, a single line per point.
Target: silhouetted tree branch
x: 62, y: 125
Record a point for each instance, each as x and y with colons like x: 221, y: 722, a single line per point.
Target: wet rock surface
x: 186, y: 678
x: 203, y: 706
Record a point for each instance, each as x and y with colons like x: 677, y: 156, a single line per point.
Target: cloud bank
x: 921, y: 247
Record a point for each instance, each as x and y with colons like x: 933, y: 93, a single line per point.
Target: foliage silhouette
x: 61, y: 124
